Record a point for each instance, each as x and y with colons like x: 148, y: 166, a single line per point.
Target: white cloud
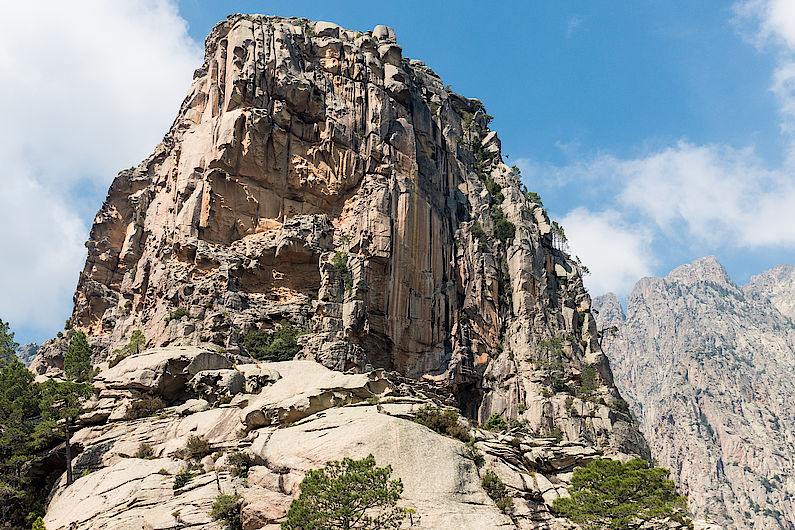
x: 705, y: 198
x: 616, y: 253
x: 712, y: 195
x: 771, y: 20
x: 89, y: 87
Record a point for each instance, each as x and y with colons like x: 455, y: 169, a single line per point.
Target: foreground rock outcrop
x: 128, y: 463
x: 708, y: 367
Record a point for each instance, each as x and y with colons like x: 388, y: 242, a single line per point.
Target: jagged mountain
x: 315, y: 175
x: 709, y: 368
x: 27, y: 352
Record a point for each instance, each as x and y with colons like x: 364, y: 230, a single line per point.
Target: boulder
x: 441, y: 483
x: 163, y: 371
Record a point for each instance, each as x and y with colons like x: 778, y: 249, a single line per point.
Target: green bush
x: 144, y: 451
x: 181, y: 479
x: 443, y: 421
x: 38, y: 524
x: 496, y: 489
x: 587, y: 381
x: 340, y: 270
x: 480, y: 234
x: 281, y: 344
x: 226, y: 508
x: 240, y: 463
x: 496, y: 422
x: 196, y: 447
x: 176, y: 314
x: 504, y: 230
x: 348, y: 494
x: 609, y: 494
x: 494, y: 189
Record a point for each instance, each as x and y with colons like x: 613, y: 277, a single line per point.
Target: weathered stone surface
x: 315, y: 175
x: 317, y: 415
x: 440, y: 482
x: 708, y: 367
x: 306, y: 387
x: 132, y: 495
x: 162, y: 371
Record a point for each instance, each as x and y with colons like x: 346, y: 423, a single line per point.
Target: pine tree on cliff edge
x: 61, y: 401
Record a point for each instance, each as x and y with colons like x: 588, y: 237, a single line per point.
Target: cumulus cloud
x: 616, y: 253
x: 702, y: 197
x: 713, y: 195
x: 771, y: 23
x: 89, y: 88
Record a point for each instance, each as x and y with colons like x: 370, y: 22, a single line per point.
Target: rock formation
x: 315, y: 176
x: 27, y: 352
x: 709, y: 368
x: 288, y: 417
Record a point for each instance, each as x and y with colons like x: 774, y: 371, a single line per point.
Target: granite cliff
x: 708, y: 367
x: 314, y: 176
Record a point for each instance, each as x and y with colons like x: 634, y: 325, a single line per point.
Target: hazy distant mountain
x: 709, y: 368
x: 27, y: 352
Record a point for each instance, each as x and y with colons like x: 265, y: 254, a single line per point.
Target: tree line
x: 34, y: 419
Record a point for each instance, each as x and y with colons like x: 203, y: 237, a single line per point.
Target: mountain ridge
x: 708, y: 366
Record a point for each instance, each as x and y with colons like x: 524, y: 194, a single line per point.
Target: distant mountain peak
x: 707, y: 268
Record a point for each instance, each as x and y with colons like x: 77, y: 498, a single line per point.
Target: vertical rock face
x: 709, y: 367
x: 316, y: 175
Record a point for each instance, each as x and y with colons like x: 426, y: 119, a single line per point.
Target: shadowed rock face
x: 708, y: 367
x: 314, y: 174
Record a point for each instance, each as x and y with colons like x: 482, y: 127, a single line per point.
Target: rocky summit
x: 709, y: 368
x: 315, y: 179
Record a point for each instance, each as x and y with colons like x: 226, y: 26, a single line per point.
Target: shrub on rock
x: 348, y: 494
x: 609, y: 494
x: 226, y: 508
x: 281, y: 344
x: 443, y: 421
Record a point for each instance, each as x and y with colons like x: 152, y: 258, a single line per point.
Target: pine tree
x: 347, y: 495
x: 609, y: 494
x: 19, y: 407
x: 60, y: 405
x: 77, y: 361
x: 61, y: 401
x: 7, y: 345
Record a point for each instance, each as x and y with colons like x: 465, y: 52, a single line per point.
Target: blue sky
x: 658, y: 132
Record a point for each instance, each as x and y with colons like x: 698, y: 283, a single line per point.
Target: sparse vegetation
x: 443, y: 421
x: 226, y: 508
x: 496, y: 489
x: 239, y: 462
x: 340, y: 270
x: 181, y: 479
x: 279, y: 344
x: 609, y: 494
x: 196, y: 447
x: 587, y: 381
x: 177, y: 314
x: 133, y: 347
x: 480, y: 234
x: 144, y: 451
